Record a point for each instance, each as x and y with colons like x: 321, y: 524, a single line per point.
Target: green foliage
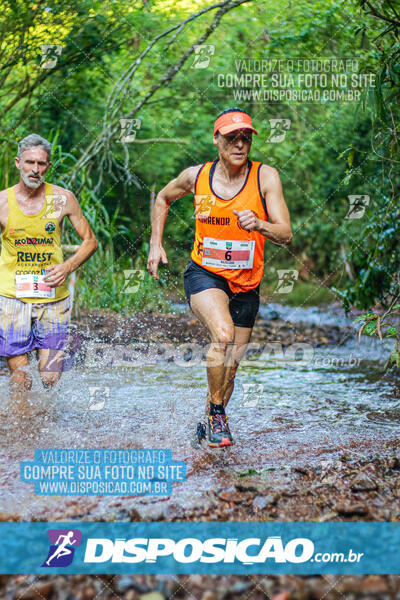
x: 374, y: 253
x: 375, y: 258
x: 306, y: 294
x: 331, y: 151
x: 101, y: 282
x: 379, y: 325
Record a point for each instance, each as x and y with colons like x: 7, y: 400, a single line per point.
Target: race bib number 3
x: 33, y: 286
x: 228, y: 254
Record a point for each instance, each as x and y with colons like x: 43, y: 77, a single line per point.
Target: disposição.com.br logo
x: 62, y: 547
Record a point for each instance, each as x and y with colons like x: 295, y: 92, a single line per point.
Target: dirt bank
x: 108, y: 327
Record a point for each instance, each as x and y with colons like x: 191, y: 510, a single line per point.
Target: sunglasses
x: 232, y: 138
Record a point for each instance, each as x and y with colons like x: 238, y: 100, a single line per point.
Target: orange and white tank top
x: 221, y: 245
x: 29, y: 244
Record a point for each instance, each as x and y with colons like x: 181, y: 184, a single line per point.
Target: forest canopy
x: 121, y: 90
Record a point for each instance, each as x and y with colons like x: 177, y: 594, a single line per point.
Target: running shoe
x: 218, y: 433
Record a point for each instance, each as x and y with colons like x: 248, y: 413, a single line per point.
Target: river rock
x: 261, y: 502
x: 209, y: 595
x: 374, y: 584
x: 134, y: 516
x: 231, y: 495
x: 272, y: 315
x: 38, y: 591
x: 363, y: 483
x: 394, y: 463
x: 123, y: 583
x: 251, y: 485
x: 89, y: 592
x: 347, y: 508
x: 121, y: 515
x: 4, y: 516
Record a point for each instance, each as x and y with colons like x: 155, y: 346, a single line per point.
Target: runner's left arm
x: 57, y: 274
x: 277, y: 229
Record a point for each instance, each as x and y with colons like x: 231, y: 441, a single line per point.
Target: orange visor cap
x: 232, y: 121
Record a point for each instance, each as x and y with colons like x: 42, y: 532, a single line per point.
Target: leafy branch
x: 375, y: 324
x: 99, y: 153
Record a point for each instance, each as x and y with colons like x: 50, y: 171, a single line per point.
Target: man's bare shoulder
x: 60, y: 191
x: 66, y: 200
x: 3, y: 196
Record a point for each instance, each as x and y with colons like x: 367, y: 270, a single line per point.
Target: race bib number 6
x: 33, y: 286
x: 228, y: 254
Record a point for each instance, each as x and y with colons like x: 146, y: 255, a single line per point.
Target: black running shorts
x: 243, y: 306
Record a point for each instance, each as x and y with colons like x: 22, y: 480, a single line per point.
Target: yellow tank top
x: 30, y: 244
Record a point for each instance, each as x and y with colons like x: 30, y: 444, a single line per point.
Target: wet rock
x: 282, y: 596
x: 374, y: 584
x: 363, y: 483
x: 197, y: 580
x: 272, y: 314
x: 134, y: 516
x: 123, y: 583
x: 38, y: 591
x: 261, y: 502
x: 120, y: 515
x: 353, y: 584
x: 89, y: 592
x: 348, y: 509
x: 327, y: 517
x: 231, y: 496
x: 251, y: 485
x: 267, y: 585
x: 9, y: 517
x: 172, y: 511
x: 168, y: 585
x: 209, y: 595
x: 236, y: 589
x: 134, y: 583
x: 301, y: 470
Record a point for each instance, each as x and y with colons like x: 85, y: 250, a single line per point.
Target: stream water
x: 282, y: 413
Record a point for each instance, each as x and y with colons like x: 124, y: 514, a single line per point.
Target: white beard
x: 29, y: 182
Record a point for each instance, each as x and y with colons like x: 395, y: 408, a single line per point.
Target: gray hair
x: 33, y: 140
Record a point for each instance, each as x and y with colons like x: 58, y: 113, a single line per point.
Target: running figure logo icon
x: 203, y: 206
x: 61, y: 551
x: 287, y: 279
x: 202, y: 56
x: 279, y: 128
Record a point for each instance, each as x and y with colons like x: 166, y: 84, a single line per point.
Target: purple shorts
x: 25, y: 326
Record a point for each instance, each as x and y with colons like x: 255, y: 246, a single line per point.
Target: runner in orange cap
x: 238, y: 204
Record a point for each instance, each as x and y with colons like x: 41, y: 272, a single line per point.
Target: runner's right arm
x: 177, y: 188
